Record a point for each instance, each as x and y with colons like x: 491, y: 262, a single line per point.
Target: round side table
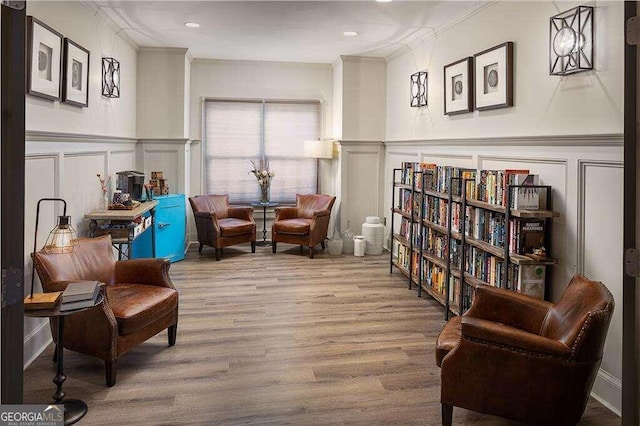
x: 264, y: 206
x: 74, y: 409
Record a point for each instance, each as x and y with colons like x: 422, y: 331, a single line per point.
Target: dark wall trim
x: 12, y: 104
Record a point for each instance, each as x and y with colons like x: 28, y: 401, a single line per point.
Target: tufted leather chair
x: 522, y: 358
x: 219, y: 225
x: 140, y: 300
x: 305, y: 224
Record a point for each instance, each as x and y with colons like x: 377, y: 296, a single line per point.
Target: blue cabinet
x: 171, y: 230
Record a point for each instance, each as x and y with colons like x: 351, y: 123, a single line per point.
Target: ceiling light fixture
x: 350, y: 33
x: 383, y: 1
x: 192, y: 25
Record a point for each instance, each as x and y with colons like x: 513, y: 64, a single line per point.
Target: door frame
x: 12, y: 182
x: 630, y: 402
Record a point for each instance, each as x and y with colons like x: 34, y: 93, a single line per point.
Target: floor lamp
x: 61, y: 239
x: 318, y: 149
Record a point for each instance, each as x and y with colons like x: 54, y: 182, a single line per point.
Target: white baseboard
x: 36, y: 342
x: 607, y: 390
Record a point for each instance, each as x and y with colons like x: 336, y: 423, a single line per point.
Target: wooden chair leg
x: 273, y: 246
x: 253, y: 246
x: 218, y: 253
x: 322, y: 244
x: 110, y: 369
x: 55, y: 353
x: 301, y: 249
x: 200, y: 248
x: 447, y: 414
x: 310, y: 252
x: 173, y: 332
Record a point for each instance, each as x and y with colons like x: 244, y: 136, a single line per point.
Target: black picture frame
x: 44, y: 60
x: 494, y: 77
x: 75, y: 81
x: 458, y: 99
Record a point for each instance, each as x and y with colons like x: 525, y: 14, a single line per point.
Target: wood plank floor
x: 277, y: 339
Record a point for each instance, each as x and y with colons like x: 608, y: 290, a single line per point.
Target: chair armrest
x: 510, y: 337
x: 283, y: 213
x: 239, y: 212
x: 514, y: 309
x: 143, y: 271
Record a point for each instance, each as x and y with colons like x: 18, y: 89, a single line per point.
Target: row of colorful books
x: 484, y: 185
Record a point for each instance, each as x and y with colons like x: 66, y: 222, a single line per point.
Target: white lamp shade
x: 318, y: 149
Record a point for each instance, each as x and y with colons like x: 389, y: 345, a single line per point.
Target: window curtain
x: 238, y: 132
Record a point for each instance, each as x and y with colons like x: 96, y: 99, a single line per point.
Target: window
x: 237, y: 132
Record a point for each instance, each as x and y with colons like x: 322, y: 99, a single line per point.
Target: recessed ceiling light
x: 383, y: 1
x: 350, y: 33
x: 192, y: 25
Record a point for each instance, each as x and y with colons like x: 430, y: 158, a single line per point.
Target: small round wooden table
x: 74, y: 409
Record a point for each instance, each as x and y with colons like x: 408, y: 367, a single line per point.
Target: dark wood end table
x: 74, y: 409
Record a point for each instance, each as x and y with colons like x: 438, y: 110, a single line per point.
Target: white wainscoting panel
x: 120, y: 161
x: 600, y: 254
x: 41, y: 176
x: 81, y: 185
x: 361, y: 183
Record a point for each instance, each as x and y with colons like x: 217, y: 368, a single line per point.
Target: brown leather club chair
x: 522, y: 358
x: 305, y: 224
x: 140, y: 300
x: 219, y: 225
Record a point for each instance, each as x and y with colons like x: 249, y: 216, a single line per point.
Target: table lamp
x: 61, y: 239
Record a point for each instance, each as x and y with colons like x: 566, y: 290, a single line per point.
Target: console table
x: 128, y: 216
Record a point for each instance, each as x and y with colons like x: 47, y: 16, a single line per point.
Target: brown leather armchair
x: 525, y: 359
x: 305, y: 224
x: 140, y: 300
x: 219, y: 225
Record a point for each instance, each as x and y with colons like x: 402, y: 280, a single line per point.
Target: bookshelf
x: 460, y: 227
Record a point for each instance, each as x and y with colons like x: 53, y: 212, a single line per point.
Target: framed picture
x: 44, y: 58
x: 75, y: 84
x: 494, y: 77
x: 458, y: 87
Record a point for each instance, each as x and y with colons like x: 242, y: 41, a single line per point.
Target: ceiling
x: 288, y: 31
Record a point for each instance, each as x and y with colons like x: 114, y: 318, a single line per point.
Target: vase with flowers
x: 263, y: 174
x: 104, y: 186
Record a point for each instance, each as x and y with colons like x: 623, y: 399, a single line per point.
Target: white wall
x: 585, y: 103
x: 363, y: 98
x: 566, y: 129
x: 260, y: 80
x: 163, y: 104
x: 67, y: 145
x: 104, y: 116
x: 256, y: 80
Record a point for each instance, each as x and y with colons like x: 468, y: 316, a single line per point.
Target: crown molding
x: 413, y: 41
x: 247, y: 63
x: 362, y: 59
x: 171, y: 50
x: 97, y: 12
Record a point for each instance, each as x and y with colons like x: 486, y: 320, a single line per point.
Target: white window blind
x: 238, y: 132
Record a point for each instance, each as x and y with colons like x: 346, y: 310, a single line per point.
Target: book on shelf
x: 530, y: 280
x: 42, y: 300
x: 525, y: 198
x: 81, y: 290
x: 527, y: 236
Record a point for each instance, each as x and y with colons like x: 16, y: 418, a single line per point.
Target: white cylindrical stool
x: 373, y: 233
x: 359, y: 245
